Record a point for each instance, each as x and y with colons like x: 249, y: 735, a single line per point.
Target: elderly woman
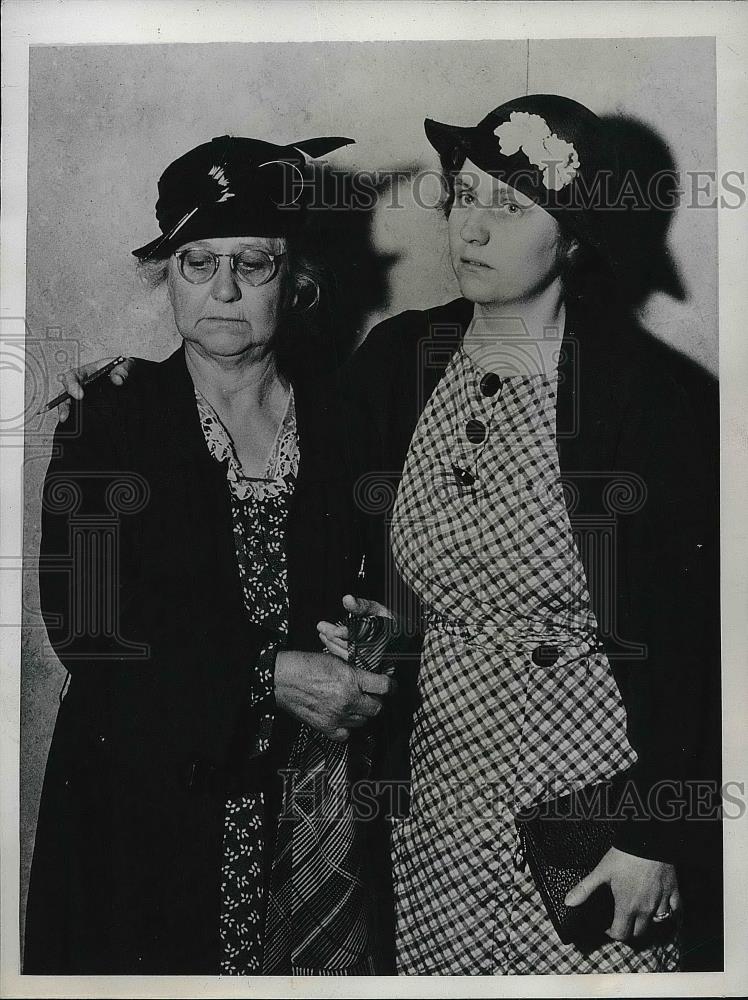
x: 187, y: 629
x: 556, y: 520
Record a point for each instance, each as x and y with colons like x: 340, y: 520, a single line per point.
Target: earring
x: 572, y: 251
x: 309, y: 305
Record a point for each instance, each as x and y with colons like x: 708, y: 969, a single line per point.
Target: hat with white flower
x: 546, y: 146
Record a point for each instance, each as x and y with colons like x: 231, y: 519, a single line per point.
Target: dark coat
x: 148, y: 618
x: 638, y: 443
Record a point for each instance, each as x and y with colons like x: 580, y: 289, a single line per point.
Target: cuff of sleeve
x: 655, y: 839
x: 266, y: 667
x: 652, y: 815
x: 262, y: 706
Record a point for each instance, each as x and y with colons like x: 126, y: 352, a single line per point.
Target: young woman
x: 555, y: 519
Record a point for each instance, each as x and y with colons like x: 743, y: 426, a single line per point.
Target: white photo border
x: 40, y: 22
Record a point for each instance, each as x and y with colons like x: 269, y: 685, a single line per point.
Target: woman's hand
x: 73, y: 381
x: 641, y: 888
x: 326, y: 693
x: 335, y: 637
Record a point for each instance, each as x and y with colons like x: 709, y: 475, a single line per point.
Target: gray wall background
x: 104, y: 121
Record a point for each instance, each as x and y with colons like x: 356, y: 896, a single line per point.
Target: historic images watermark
x: 319, y: 796
x: 328, y: 189
x: 87, y: 566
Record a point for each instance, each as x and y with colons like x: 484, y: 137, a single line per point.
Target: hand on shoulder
x: 75, y: 380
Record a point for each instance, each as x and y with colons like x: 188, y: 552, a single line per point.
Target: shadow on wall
x: 648, y: 185
x: 339, y: 233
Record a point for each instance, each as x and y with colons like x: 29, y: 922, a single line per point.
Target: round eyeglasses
x: 252, y: 266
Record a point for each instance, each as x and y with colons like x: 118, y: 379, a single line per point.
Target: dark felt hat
x: 234, y: 186
x: 550, y: 148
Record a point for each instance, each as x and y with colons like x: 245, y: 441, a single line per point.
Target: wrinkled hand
x: 335, y: 637
x: 325, y: 693
x: 640, y: 889
x: 73, y: 381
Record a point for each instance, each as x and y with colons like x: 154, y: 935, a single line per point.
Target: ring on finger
x: 662, y: 915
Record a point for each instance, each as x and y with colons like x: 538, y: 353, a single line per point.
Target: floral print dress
x: 259, y: 508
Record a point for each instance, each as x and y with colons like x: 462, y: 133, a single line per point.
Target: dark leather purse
x: 561, y: 840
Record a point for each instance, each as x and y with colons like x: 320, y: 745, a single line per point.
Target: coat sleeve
x: 670, y: 554
x: 86, y: 487
x: 372, y: 382
x: 79, y: 491
x: 172, y: 666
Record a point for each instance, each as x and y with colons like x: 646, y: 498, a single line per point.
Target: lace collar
x: 283, y: 460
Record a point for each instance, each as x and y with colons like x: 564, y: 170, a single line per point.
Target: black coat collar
x: 322, y: 539
x: 315, y: 411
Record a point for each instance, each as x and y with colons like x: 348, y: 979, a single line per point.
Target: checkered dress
x: 481, y: 533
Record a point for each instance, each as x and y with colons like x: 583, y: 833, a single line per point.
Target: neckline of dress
x: 549, y: 372
x: 279, y: 432
x: 233, y: 458
x: 480, y: 369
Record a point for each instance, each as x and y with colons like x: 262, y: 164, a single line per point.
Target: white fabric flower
x: 561, y: 163
x: 521, y: 129
x: 557, y: 158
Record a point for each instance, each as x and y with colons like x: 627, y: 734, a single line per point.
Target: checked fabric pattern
x: 492, y: 557
x: 317, y: 919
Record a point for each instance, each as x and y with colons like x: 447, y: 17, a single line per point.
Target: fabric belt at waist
x: 528, y: 640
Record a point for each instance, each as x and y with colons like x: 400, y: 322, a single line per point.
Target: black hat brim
x: 151, y: 249
x: 239, y: 217
x: 457, y: 143
x: 446, y: 138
